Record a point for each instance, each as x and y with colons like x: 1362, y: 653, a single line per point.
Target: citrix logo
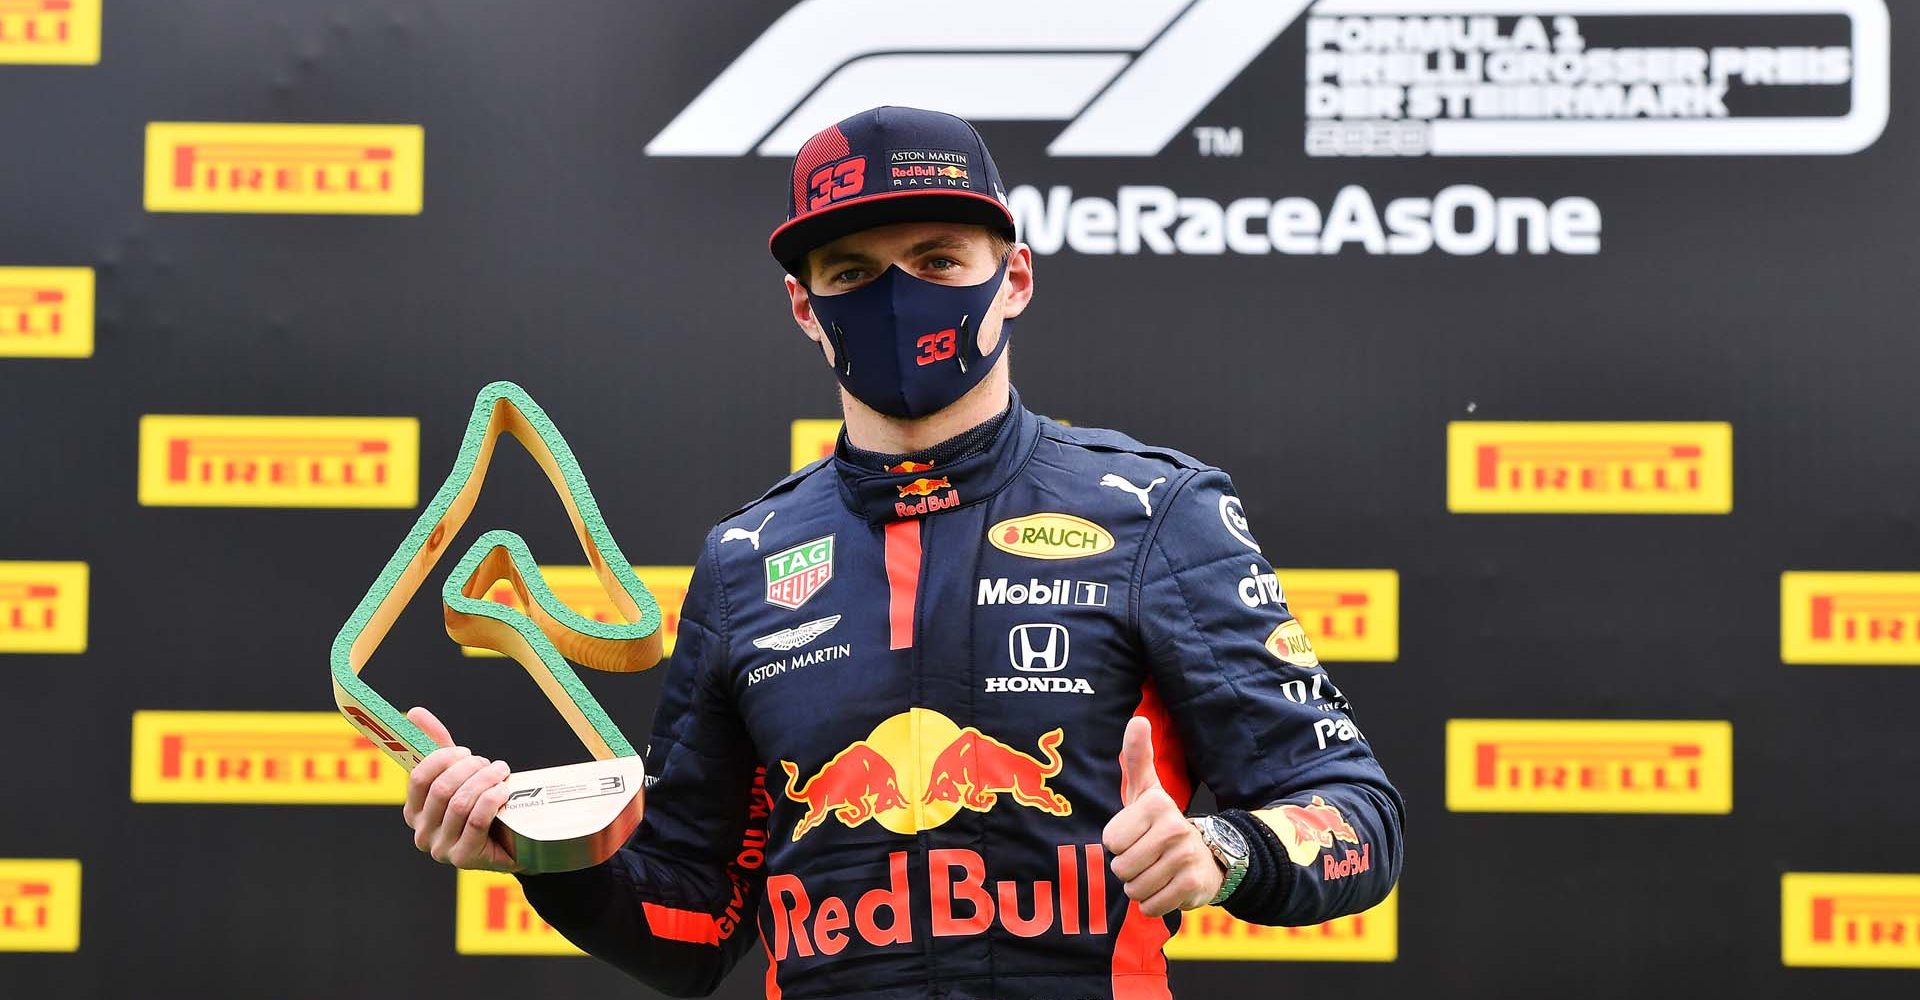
x: 1130, y: 75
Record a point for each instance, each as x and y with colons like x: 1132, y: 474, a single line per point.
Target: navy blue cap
x: 884, y: 166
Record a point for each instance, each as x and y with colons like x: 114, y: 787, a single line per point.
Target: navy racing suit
x: 889, y: 739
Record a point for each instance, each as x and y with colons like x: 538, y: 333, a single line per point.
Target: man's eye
x: 848, y: 276
x: 943, y: 263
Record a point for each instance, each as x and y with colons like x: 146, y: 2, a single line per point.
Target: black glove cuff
x: 1270, y: 873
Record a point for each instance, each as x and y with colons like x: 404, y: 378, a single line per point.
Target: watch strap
x: 1235, y: 868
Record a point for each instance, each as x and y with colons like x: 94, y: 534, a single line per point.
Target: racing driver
x: 939, y: 701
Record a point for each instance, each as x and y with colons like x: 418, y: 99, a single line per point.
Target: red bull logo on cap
x: 918, y: 769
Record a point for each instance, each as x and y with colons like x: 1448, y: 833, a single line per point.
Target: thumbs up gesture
x: 1155, y: 850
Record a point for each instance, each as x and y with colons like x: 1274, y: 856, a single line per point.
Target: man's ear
x: 802, y: 304
x: 1019, y: 284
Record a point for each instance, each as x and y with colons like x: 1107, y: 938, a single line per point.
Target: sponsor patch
x: 799, y: 635
x: 1289, y: 644
x: 1035, y: 591
x: 1312, y: 832
x: 1050, y: 536
x: 1235, y: 518
x: 924, y: 168
x: 794, y: 575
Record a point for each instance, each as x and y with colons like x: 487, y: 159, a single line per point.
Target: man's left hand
x: 1156, y: 851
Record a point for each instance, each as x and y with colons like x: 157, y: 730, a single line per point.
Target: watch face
x: 1227, y: 836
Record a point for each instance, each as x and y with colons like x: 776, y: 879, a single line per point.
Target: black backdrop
x: 631, y: 294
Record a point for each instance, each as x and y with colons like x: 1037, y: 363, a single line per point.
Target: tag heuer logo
x: 795, y: 574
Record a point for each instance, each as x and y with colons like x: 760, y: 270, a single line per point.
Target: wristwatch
x: 1228, y: 847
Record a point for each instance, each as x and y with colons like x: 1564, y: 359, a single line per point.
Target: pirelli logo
x: 492, y: 917
x: 1353, y: 615
x: 43, y: 607
x: 50, y: 31
x: 39, y: 904
x: 1588, y: 765
x: 285, y: 758
x: 293, y: 169
x: 1850, y: 618
x: 813, y: 440
x: 46, y: 312
x: 578, y: 588
x: 191, y: 461
x: 1850, y: 921
x: 1589, y: 468
x: 1211, y: 934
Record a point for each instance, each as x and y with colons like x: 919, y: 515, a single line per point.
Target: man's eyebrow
x: 944, y: 242
x: 834, y: 258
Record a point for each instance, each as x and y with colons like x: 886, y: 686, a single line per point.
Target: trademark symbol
x: 1217, y: 141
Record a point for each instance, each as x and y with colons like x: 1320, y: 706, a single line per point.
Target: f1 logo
x: 1129, y: 76
x: 1038, y: 648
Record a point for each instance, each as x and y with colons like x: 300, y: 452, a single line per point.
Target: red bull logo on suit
x: 918, y: 769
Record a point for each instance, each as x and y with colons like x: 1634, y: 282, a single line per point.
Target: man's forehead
x: 903, y: 236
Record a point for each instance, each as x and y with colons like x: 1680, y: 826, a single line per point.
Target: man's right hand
x: 452, y: 798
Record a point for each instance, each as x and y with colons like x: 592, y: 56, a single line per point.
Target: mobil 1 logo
x: 1035, y: 591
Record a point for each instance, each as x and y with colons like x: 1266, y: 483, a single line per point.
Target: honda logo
x: 1038, y: 648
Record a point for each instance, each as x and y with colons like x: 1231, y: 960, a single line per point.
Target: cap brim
x: 790, y: 243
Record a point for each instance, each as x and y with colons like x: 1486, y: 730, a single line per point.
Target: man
x: 939, y: 701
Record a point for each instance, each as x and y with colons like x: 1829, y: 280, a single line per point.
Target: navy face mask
x: 909, y: 347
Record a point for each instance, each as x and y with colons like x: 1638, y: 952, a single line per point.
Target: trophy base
x: 573, y: 816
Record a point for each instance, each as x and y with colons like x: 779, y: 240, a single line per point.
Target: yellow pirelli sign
x: 1589, y: 468
x: 43, y: 607
x: 283, y: 758
x: 194, y: 461
x: 812, y: 440
x: 579, y: 589
x: 1850, y: 618
x: 492, y: 917
x: 39, y: 904
x: 292, y: 169
x: 1213, y: 935
x: 50, y: 32
x: 46, y: 312
x: 1352, y: 615
x: 1589, y: 765
x: 1850, y: 920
